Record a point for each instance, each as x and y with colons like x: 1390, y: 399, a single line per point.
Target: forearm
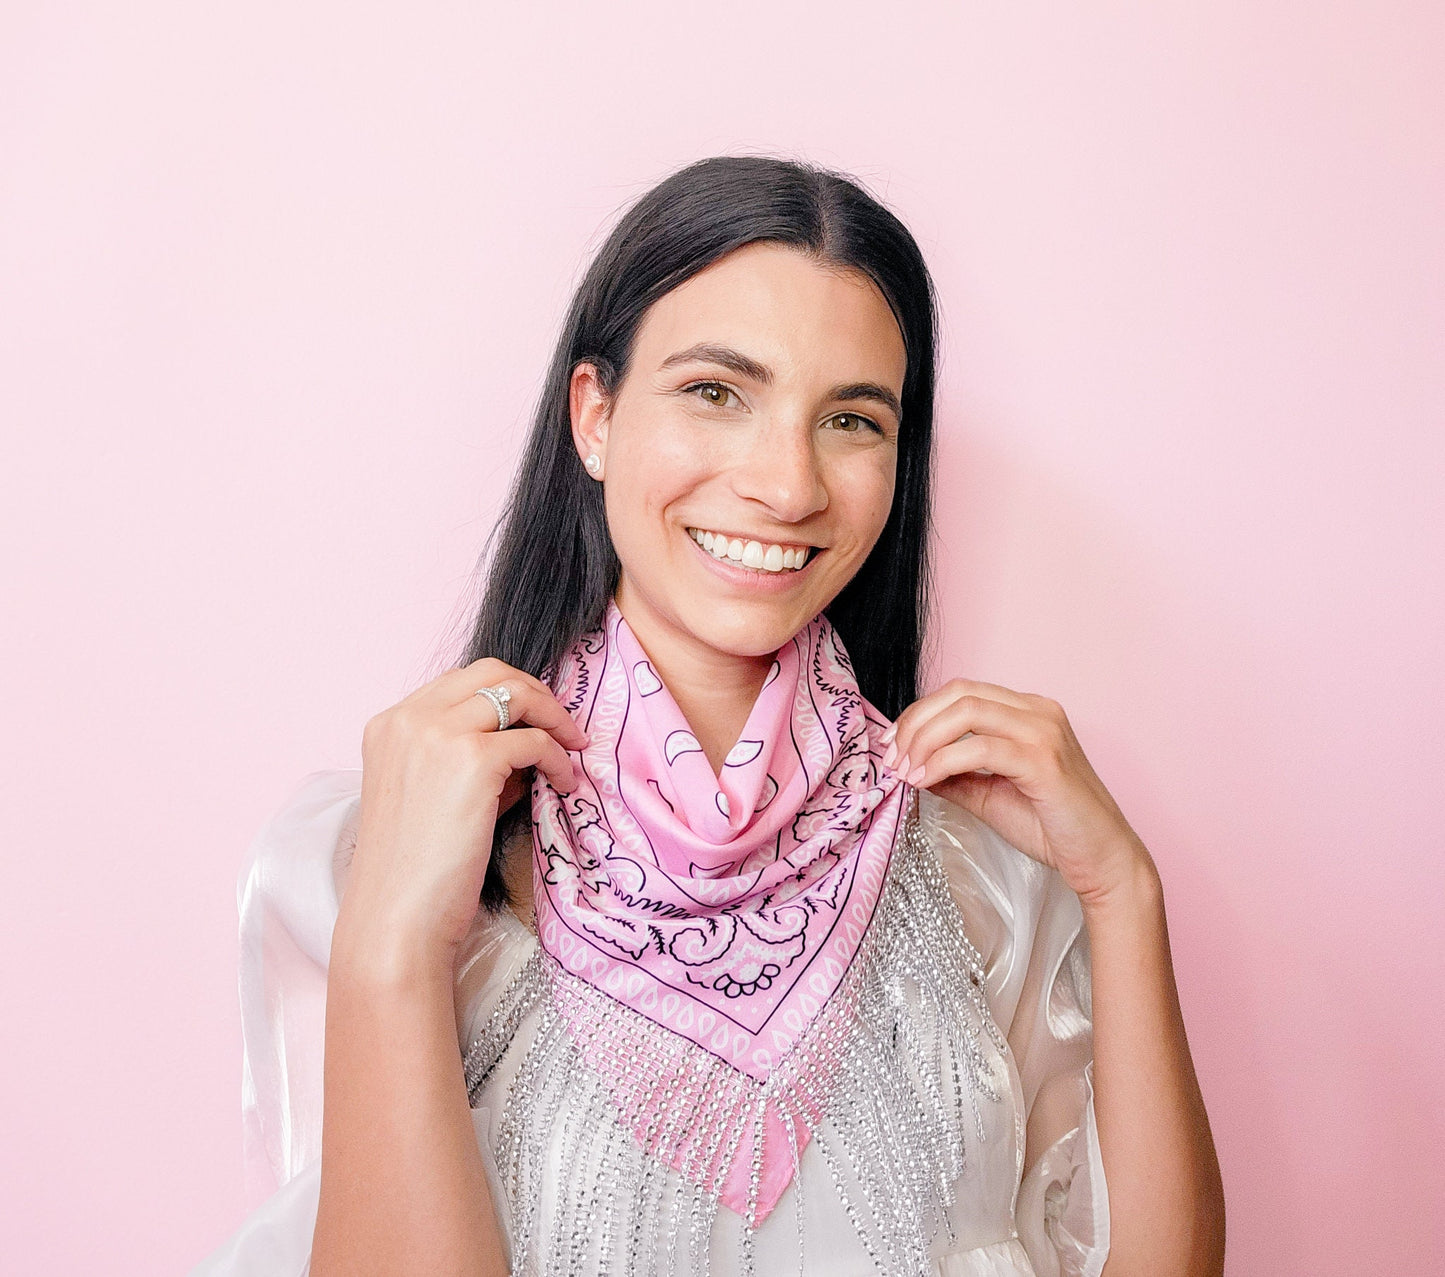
x: 403, y: 1188
x: 1166, y: 1198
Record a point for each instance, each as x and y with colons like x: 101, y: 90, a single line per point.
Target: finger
x: 527, y: 705
x: 924, y: 733
x: 951, y: 691
x: 992, y: 755
x: 449, y: 688
x: 534, y: 747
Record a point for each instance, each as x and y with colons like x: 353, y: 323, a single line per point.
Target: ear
x: 590, y: 409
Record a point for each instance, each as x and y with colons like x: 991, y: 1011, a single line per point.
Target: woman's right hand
x: 436, y: 774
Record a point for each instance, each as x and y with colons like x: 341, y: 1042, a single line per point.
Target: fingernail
x: 890, y: 733
x: 889, y: 755
x: 915, y: 775
x: 902, y: 766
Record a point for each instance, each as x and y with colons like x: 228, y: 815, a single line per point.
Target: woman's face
x: 760, y: 414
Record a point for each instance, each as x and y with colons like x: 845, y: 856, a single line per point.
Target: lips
x: 763, y: 556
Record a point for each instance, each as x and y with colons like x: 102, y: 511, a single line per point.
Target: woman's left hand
x: 1012, y: 760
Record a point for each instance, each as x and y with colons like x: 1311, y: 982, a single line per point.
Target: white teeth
x: 750, y: 554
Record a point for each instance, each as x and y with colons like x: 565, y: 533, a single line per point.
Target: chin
x: 743, y: 630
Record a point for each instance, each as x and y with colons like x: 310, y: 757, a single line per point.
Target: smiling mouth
x: 763, y: 556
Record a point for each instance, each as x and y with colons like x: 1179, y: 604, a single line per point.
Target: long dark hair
x: 554, y: 569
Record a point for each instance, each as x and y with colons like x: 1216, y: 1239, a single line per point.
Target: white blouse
x: 1030, y: 1200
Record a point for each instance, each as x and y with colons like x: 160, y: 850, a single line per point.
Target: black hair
x: 554, y: 569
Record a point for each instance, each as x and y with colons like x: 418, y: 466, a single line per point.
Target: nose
x: 782, y: 472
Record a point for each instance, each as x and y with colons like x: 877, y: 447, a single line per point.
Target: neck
x: 714, y: 690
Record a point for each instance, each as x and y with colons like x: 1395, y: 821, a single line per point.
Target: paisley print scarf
x: 700, y: 924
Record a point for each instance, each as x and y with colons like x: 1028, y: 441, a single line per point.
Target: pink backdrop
x: 277, y: 286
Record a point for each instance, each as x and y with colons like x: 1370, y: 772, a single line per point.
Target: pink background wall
x: 277, y: 286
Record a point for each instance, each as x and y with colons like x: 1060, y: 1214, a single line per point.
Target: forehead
x: 801, y: 317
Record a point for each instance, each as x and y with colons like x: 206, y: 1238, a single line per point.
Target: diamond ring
x: 501, y: 697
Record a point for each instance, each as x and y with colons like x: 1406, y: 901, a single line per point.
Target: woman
x: 780, y: 967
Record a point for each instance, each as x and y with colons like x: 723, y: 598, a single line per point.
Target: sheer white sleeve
x: 1028, y: 925
x: 288, y: 895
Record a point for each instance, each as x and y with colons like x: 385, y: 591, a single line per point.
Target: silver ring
x: 501, y: 698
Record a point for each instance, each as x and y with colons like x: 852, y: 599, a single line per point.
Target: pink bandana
x: 724, y: 910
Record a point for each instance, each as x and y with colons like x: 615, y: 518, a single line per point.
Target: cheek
x: 647, y: 474
x: 869, y: 496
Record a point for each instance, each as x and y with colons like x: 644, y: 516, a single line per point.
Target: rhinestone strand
x: 797, y: 1191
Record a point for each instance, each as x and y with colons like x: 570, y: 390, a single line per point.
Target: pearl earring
x: 594, y: 462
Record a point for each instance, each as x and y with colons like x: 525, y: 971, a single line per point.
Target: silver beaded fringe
x: 887, y: 1114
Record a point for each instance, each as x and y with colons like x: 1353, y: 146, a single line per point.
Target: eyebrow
x: 707, y: 352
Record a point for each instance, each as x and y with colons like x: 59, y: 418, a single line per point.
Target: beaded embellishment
x: 879, y: 1080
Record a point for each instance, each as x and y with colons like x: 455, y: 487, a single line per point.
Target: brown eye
x: 851, y: 423
x: 715, y: 393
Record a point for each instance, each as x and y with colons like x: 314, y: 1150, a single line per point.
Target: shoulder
x: 1018, y: 912
x: 991, y: 880
x: 311, y: 823
x: 295, y: 876
x: 297, y: 864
